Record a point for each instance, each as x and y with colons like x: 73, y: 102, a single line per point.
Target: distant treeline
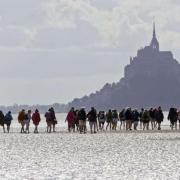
x: 59, y: 108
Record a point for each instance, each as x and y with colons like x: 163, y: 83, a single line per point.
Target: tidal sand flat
x: 62, y: 155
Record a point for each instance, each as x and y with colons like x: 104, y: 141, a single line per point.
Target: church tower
x: 154, y: 42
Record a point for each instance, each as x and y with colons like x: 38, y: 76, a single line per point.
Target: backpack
x: 26, y: 117
x: 101, y: 116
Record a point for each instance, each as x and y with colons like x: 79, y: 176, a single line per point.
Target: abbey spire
x: 154, y: 42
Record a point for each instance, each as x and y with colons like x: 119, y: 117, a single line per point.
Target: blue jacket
x: 8, y: 118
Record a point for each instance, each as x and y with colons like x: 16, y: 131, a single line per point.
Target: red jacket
x: 71, y: 118
x: 36, y: 118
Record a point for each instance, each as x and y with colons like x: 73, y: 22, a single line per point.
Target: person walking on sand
x: 82, y: 120
x: 27, y: 121
x: 53, y: 117
x: 159, y: 116
x: 2, y: 120
x: 21, y: 118
x: 135, y: 117
x: 115, y: 119
x: 101, y: 119
x: 122, y: 119
x: 71, y: 120
x: 128, y: 117
x: 146, y: 119
x: 109, y: 119
x: 49, y: 121
x: 36, y: 119
x: 173, y: 117
x: 152, y: 118
x: 7, y: 120
x: 76, y: 120
x: 92, y: 117
x: 141, y: 117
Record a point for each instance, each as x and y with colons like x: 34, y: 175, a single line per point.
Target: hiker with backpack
x: 173, y: 117
x: 146, y: 119
x: 92, y: 117
x: 114, y: 119
x: 2, y: 120
x: 141, y: 117
x: 36, y: 119
x: 152, y: 117
x: 109, y: 119
x: 128, y: 117
x: 135, y: 117
x: 21, y: 119
x: 7, y: 120
x: 48, y: 121
x: 53, y: 118
x: 122, y: 119
x: 101, y: 119
x: 82, y: 120
x: 159, y: 116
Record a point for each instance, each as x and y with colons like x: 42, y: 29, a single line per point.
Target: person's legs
x: 94, y: 124
x: 8, y: 128
x: 107, y: 125
x: 159, y: 126
x: 69, y: 128
x: 54, y: 126
x: 147, y: 125
x: 120, y: 125
x: 90, y: 124
x: 175, y: 125
x: 103, y: 126
x: 47, y: 129
x: 22, y: 127
x: 80, y: 126
x: 73, y: 127
x: 152, y: 127
x: 124, y: 124
x: 144, y: 125
x: 115, y: 125
x: 3, y: 128
x: 84, y: 127
x: 130, y: 125
x: 135, y: 125
x: 127, y: 125
x: 141, y: 124
x: 35, y: 129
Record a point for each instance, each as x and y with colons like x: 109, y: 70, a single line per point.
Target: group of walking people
x: 130, y: 119
x: 25, y: 117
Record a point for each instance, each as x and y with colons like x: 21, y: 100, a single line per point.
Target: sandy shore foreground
x: 90, y: 156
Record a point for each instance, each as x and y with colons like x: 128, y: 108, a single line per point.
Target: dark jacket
x: 92, y: 115
x: 159, y: 116
x: 8, y: 118
x: 173, y: 115
x: 128, y: 115
x: 1, y: 118
x: 82, y: 115
x: 135, y: 116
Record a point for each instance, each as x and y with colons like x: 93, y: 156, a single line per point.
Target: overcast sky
x: 56, y: 50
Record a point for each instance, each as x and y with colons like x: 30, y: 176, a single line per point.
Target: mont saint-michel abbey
x: 151, y: 79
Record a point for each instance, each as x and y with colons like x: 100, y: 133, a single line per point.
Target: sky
x: 57, y: 50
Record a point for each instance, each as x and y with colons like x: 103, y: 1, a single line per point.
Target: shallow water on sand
x: 90, y: 156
